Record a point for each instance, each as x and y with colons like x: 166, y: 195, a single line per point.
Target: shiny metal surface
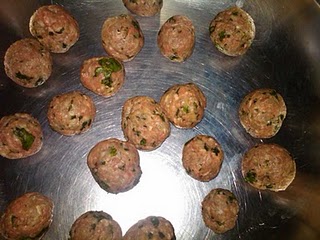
x: 285, y: 55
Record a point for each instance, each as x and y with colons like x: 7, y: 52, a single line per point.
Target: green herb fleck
x: 235, y: 13
x: 274, y: 93
x: 155, y: 221
x: 222, y: 35
x: 25, y: 137
x: 143, y: 142
x: 173, y: 57
x: 112, y: 151
x: 250, y: 176
x: 219, y: 223
x: 136, y: 25
x: 211, y: 29
x: 22, y: 76
x: 216, y: 151
x: 185, y: 109
x: 107, y: 67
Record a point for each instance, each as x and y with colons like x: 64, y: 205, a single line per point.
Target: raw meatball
x: 55, y: 28
x: 232, y: 31
x: 202, y: 157
x: 27, y: 217
x: 262, y: 112
x: 71, y: 113
x: 20, y: 136
x: 95, y: 225
x: 184, y: 105
x: 220, y: 210
x: 122, y: 37
x: 151, y: 228
x: 176, y: 38
x: 145, y: 8
x: 102, y: 75
x: 28, y: 63
x: 115, y: 165
x: 268, y: 166
x: 144, y: 123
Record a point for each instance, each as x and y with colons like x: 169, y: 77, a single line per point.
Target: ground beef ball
x: 71, y: 113
x: 27, y: 217
x: 220, y: 210
x: 28, y: 63
x: 102, y: 75
x: 232, y: 31
x: 145, y: 8
x: 55, y: 28
x: 151, y: 228
x: 115, y: 165
x: 184, y: 105
x: 144, y: 122
x: 202, y: 157
x: 95, y: 225
x: 268, y: 166
x: 122, y: 37
x: 20, y: 136
x: 176, y: 38
x: 262, y: 113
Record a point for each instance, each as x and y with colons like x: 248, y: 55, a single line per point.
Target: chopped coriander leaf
x: 143, y: 142
x: 25, y: 137
x: 216, y: 151
x: 107, y: 82
x: 185, y: 109
x: 222, y: 35
x: 136, y: 25
x: 112, y: 151
x: 155, y: 221
x: 250, y: 176
x: 22, y: 76
x: 235, y: 13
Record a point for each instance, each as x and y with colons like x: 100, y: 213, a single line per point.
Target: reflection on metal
x: 284, y: 55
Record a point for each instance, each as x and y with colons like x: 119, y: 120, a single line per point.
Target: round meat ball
x: 115, y: 165
x: 155, y: 228
x: 102, y: 75
x: 232, y: 31
x: 55, y: 28
x: 144, y: 123
x: 176, y: 38
x: 268, y: 166
x: 122, y: 37
x: 220, y: 210
x: 144, y: 8
x: 262, y: 113
x: 71, y: 113
x: 20, y: 136
x: 27, y: 217
x: 202, y: 157
x: 184, y: 105
x: 95, y: 225
x: 28, y: 63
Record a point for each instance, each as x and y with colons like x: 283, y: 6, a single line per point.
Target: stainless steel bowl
x: 285, y: 55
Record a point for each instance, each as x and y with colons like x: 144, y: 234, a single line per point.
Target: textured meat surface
x: 176, y: 38
x: 268, y: 166
x: 184, y: 105
x: 20, y: 136
x: 28, y: 63
x: 145, y: 8
x: 151, y: 228
x: 220, y: 210
x: 122, y: 37
x: 115, y: 165
x: 262, y: 113
x: 95, y: 225
x: 232, y: 31
x: 144, y: 123
x: 27, y: 217
x: 202, y: 157
x: 55, y: 28
x: 102, y: 75
x: 71, y: 113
